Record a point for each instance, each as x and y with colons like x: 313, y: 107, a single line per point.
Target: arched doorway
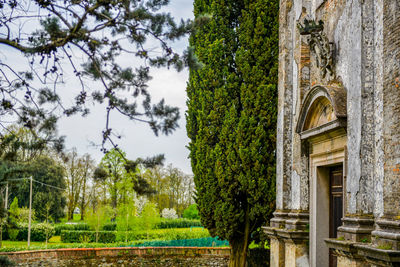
x: 322, y: 127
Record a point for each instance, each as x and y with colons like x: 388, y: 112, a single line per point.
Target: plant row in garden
x: 112, y: 226
x: 117, y: 236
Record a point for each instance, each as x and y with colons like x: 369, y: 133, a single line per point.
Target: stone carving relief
x: 319, y: 45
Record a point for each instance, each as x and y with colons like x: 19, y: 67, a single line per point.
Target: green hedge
x: 71, y: 227
x: 113, y: 236
x: 38, y: 232
x: 87, y: 236
x: 198, y: 242
x: 163, y: 224
x: 178, y: 223
x: 111, y: 226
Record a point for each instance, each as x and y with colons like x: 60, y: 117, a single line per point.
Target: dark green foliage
x: 258, y: 257
x: 191, y: 212
x: 38, y: 232
x: 5, y: 261
x: 71, y: 227
x: 198, y: 242
x: 48, y: 171
x: 163, y: 224
x: 231, y: 118
x: 177, y: 223
x: 111, y: 226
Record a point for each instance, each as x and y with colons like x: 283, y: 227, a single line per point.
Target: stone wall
x: 102, y: 257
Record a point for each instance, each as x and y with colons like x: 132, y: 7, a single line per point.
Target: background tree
x: 97, y: 219
x: 232, y: 119
x: 78, y: 170
x: 85, y: 39
x: 46, y: 171
x: 13, y: 220
x: 117, y: 178
x: 149, y: 217
x: 73, y: 166
x: 88, y: 167
x: 173, y: 188
x: 125, y: 220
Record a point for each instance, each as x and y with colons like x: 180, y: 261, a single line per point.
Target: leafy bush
x: 191, y: 213
x: 198, y: 242
x: 178, y: 223
x: 5, y: 261
x: 87, y: 236
x: 13, y: 234
x: 38, y: 231
x: 111, y: 226
x: 112, y: 236
x: 169, y: 214
x: 71, y: 227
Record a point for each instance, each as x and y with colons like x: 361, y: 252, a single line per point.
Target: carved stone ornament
x: 319, y: 45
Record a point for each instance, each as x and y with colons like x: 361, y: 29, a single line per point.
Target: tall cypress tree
x: 231, y: 118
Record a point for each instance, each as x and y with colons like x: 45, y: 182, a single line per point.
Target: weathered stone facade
x: 338, y: 114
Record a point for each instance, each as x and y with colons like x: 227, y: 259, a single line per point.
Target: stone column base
x: 356, y: 229
x: 357, y: 254
x: 387, y: 234
x: 289, y: 248
x: 279, y: 219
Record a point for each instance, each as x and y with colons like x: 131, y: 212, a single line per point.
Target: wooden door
x: 336, y: 206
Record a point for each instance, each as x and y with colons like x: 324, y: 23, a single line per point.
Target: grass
x: 55, y: 240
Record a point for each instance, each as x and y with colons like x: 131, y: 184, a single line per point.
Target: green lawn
x: 55, y: 240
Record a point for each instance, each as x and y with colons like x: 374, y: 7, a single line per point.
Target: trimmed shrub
x: 87, y: 236
x: 169, y: 234
x: 112, y: 236
x: 111, y: 226
x: 191, y: 212
x: 178, y: 223
x: 38, y: 231
x: 198, y: 242
x: 71, y: 227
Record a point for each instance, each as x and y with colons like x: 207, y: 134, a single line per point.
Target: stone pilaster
x: 358, y: 218
x: 387, y: 232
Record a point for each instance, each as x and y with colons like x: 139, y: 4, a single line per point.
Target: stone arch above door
x: 323, y: 109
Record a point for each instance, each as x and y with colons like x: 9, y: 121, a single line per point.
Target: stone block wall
x: 103, y: 257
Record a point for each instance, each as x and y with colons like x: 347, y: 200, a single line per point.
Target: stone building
x: 338, y: 150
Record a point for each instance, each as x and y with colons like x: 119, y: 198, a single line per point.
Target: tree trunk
x: 83, y: 201
x: 239, y: 247
x: 70, y: 214
x: 238, y: 254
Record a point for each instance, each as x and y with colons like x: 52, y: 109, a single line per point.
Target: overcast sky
x: 137, y: 138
